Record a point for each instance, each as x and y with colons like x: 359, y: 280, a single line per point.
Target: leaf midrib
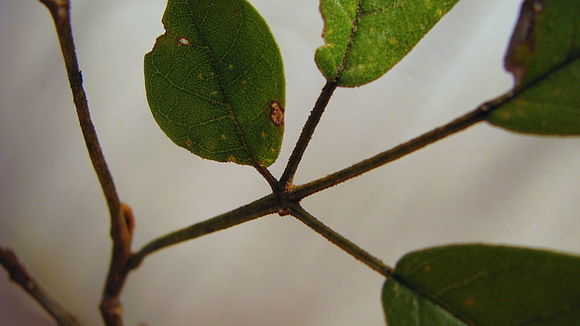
x: 221, y: 89
x: 354, y: 26
x: 436, y: 301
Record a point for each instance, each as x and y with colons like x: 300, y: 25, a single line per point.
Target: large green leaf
x: 544, y: 58
x: 215, y: 81
x: 483, y: 285
x: 365, y: 39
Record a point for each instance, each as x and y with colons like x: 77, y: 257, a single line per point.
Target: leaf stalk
x: 306, y: 134
x: 120, y: 215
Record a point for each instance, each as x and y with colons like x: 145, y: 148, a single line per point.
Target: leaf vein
x: 185, y: 90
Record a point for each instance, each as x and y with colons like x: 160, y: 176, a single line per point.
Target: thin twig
x: 342, y: 242
x: 121, y: 227
x: 61, y: 16
x: 307, y: 132
x: 272, y: 181
x: 111, y: 308
x: 398, y: 151
x: 467, y: 120
x: 270, y: 204
x: 19, y: 275
x: 261, y: 207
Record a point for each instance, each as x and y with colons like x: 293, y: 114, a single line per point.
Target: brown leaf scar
x: 276, y: 114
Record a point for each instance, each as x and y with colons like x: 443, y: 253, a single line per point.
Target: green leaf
x: 483, y: 285
x: 403, y: 307
x: 215, y: 81
x: 365, y: 39
x: 544, y: 58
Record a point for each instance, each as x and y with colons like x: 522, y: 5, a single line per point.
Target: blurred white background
x: 482, y: 185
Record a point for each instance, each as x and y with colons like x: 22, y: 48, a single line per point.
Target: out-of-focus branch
x: 61, y: 16
x: 19, y: 275
x: 120, y: 215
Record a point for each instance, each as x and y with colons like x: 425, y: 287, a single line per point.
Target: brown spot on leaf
x: 189, y: 143
x: 232, y: 158
x: 276, y: 114
x: 470, y: 301
x: 183, y: 41
x: 235, y: 11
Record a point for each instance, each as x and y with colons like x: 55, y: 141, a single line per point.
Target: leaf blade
x: 543, y: 57
x: 363, y: 40
x: 215, y: 79
x: 423, y: 312
x: 486, y: 285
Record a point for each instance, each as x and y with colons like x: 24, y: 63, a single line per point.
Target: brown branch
x: 276, y: 187
x: 110, y: 306
x: 343, y: 243
x: 121, y: 227
x: 307, y: 132
x: 399, y: 151
x: 261, y: 207
x: 19, y: 275
x: 461, y: 123
x: 61, y: 16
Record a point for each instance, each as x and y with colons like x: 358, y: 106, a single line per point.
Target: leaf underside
x: 544, y: 58
x: 215, y: 81
x: 365, y: 39
x: 483, y: 285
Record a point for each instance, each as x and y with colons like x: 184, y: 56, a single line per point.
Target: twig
x: 121, y: 230
x: 398, y: 151
x: 19, y: 275
x: 306, y: 134
x: 261, y: 207
x: 463, y: 122
x: 340, y: 241
x: 272, y: 181
x: 61, y: 16
x: 111, y: 309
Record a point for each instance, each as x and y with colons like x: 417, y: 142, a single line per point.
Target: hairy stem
x: 19, y: 275
x: 261, y: 207
x: 340, y: 241
x: 399, y: 151
x: 467, y: 120
x: 307, y: 132
x: 120, y: 216
x: 273, y: 203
